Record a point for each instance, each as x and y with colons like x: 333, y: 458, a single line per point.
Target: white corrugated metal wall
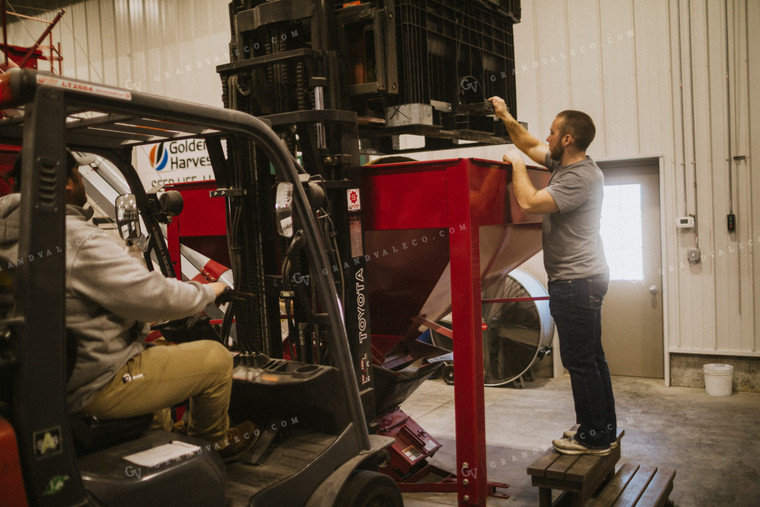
x: 166, y: 47
x: 659, y: 78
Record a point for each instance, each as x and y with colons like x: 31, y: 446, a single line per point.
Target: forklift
x: 319, y: 448
x: 311, y: 87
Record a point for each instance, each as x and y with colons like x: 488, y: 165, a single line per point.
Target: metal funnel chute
x: 419, y: 218
x: 409, y: 226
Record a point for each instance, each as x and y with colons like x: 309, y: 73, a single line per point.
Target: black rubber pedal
x: 256, y: 453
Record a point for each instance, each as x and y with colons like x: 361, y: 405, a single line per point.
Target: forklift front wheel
x: 366, y: 488
x: 447, y: 374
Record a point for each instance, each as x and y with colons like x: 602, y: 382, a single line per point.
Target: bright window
x: 621, y: 231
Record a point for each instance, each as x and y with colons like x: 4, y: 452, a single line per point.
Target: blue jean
x: 576, y: 306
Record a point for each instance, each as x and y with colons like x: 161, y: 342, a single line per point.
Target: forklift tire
x: 365, y: 488
x: 447, y: 374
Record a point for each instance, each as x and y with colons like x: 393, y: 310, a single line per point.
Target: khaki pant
x: 162, y: 376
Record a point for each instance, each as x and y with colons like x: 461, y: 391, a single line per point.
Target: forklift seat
x: 192, y: 479
x: 90, y: 433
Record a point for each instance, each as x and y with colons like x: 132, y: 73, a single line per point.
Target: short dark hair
x: 15, y: 173
x: 579, y: 125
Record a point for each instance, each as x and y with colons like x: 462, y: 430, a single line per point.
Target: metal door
x: 632, y: 326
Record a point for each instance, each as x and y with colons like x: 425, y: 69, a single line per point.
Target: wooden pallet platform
x: 636, y: 485
x: 591, y: 480
x: 578, y: 476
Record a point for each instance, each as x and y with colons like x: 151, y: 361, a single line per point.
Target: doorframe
x: 649, y: 161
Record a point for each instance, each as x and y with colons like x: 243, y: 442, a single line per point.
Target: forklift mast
x: 284, y: 67
x: 339, y: 80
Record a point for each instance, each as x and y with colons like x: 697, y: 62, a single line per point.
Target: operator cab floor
x: 296, y: 452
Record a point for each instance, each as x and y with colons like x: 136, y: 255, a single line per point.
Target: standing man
x: 574, y: 261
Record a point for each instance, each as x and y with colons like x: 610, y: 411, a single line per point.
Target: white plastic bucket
x: 719, y: 379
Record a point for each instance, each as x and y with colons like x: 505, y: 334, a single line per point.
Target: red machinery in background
x: 26, y: 57
x: 201, y: 225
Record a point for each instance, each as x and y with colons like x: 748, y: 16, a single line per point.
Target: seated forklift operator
x: 110, y: 296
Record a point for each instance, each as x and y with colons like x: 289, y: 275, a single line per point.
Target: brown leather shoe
x: 240, y: 439
x: 179, y: 427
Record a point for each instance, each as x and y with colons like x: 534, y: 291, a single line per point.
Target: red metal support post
x: 464, y: 252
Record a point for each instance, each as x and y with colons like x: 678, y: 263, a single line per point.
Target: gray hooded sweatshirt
x: 110, y: 296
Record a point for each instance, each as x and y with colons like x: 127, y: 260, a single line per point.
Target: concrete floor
x: 712, y: 442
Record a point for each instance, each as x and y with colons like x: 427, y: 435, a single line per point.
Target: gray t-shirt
x: 571, y: 239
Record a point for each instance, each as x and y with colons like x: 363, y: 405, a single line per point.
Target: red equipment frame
x: 203, y: 219
x: 445, y: 194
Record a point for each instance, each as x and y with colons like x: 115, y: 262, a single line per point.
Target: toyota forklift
x: 315, y: 447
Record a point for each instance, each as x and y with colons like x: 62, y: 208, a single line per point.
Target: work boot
x: 240, y: 439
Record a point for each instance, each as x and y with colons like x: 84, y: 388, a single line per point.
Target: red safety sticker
x: 354, y: 202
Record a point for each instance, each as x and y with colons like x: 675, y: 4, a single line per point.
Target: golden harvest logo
x: 158, y: 157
